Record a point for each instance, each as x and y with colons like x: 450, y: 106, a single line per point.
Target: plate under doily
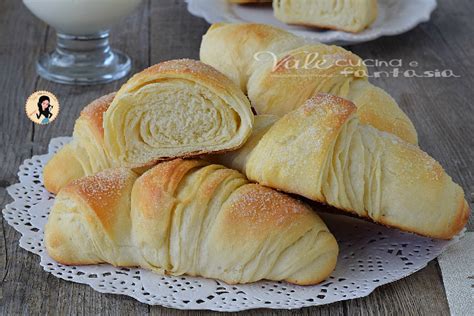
x: 394, y: 17
x: 370, y: 256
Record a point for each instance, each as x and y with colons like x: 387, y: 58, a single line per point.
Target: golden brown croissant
x: 189, y: 217
x: 179, y: 108
x: 279, y: 71
x: 85, y: 154
x: 323, y: 152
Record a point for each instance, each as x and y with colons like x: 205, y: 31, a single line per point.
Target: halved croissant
x: 279, y: 71
x: 349, y: 16
x: 189, y: 217
x: 179, y: 108
x: 323, y: 152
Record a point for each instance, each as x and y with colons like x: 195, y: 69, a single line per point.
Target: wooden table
x: 441, y: 109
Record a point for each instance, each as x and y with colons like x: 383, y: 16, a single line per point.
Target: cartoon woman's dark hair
x: 46, y: 112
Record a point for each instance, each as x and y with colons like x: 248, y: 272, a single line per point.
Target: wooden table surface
x: 441, y: 109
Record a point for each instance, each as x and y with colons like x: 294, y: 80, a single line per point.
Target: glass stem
x: 90, y: 47
x: 83, y: 59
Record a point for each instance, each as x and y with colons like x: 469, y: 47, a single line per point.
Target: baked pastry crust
x: 322, y: 152
x: 190, y: 217
x: 279, y: 71
x: 348, y: 16
x: 85, y: 154
x: 179, y: 108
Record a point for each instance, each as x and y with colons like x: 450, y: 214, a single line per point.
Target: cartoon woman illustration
x: 44, y: 108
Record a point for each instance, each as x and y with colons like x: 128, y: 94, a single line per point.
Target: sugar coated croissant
x: 85, y: 154
x: 190, y: 217
x: 179, y: 108
x: 323, y: 152
x: 279, y: 71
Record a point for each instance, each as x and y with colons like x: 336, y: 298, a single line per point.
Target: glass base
x: 83, y: 60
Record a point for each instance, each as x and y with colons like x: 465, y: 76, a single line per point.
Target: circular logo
x: 42, y: 107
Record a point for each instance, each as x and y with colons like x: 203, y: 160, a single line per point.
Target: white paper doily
x: 394, y: 17
x: 370, y: 256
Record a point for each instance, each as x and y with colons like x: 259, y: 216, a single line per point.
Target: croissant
x: 179, y: 108
x: 279, y: 71
x: 349, y: 16
x: 85, y: 154
x: 189, y: 217
x: 322, y: 151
